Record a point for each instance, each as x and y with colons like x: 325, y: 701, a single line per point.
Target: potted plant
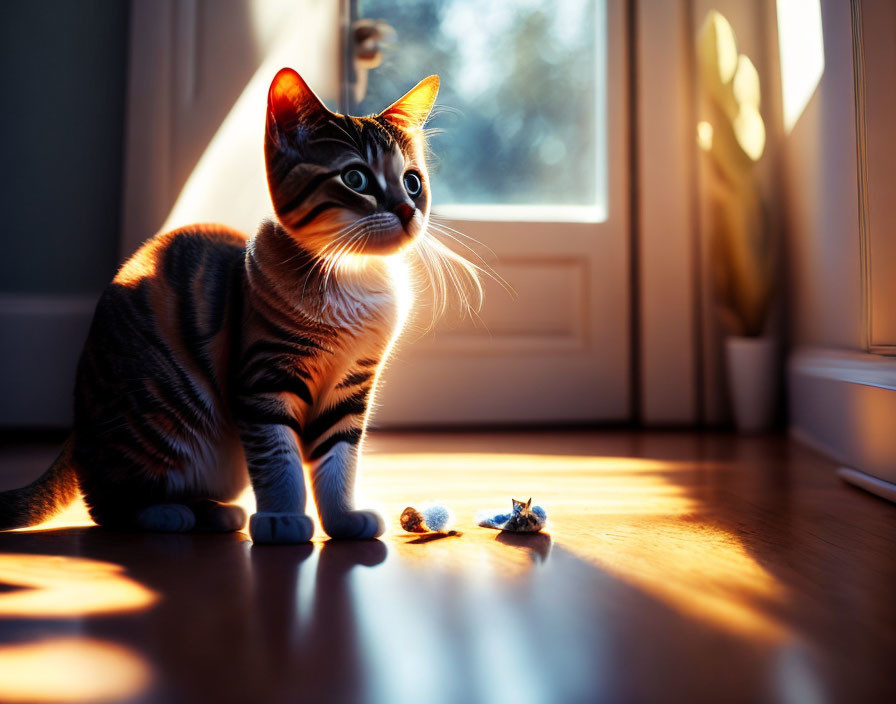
x: 731, y: 134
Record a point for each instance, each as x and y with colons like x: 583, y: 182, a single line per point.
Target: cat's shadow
x: 538, y: 545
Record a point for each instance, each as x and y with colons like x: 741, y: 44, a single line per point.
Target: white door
x: 556, y: 220
x: 532, y: 164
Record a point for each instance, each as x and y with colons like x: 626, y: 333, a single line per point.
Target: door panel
x: 556, y: 351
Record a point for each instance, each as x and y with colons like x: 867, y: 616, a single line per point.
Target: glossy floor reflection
x: 676, y: 568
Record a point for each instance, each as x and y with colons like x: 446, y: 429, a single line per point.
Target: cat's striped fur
x: 214, y: 360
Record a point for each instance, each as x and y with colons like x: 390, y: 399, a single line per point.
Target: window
x: 522, y: 131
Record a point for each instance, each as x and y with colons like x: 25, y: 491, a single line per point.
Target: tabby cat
x: 214, y: 359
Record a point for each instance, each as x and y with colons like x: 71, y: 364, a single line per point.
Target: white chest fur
x: 370, y: 302
x: 369, y: 309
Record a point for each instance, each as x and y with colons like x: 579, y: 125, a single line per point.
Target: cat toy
x: 432, y: 517
x: 523, y: 518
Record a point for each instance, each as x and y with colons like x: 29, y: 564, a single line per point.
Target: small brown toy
x: 412, y: 521
x: 432, y: 517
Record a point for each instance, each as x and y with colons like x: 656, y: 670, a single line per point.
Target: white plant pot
x: 752, y: 381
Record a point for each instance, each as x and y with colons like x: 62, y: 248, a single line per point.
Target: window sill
x: 523, y: 213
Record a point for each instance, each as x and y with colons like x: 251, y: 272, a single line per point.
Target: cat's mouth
x: 384, y: 233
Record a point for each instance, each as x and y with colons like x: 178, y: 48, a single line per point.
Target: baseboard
x: 40, y: 342
x: 844, y: 404
x: 868, y: 483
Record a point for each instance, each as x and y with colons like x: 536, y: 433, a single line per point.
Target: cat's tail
x: 52, y: 491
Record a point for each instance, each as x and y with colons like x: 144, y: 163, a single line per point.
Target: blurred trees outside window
x: 522, y: 118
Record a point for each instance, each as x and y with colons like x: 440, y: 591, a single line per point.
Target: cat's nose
x: 404, y: 211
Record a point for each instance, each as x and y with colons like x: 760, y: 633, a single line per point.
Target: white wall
x: 825, y: 306
x: 841, y: 245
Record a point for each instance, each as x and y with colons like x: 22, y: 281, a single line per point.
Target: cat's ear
x: 291, y: 102
x: 411, y: 110
x: 529, y: 503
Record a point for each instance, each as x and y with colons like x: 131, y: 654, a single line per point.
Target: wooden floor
x: 676, y: 567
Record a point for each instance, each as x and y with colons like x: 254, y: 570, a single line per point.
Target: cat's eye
x: 355, y: 179
x: 412, y: 183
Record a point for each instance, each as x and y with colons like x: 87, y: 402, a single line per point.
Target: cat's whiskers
x: 441, y: 264
x: 345, y: 234
x: 356, y: 246
x: 335, y: 260
x: 472, y: 311
x: 435, y: 266
x: 450, y: 232
x: 486, y: 269
x: 322, y: 257
x: 440, y: 221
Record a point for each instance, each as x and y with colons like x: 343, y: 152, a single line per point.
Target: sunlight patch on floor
x: 557, y: 482
x: 67, y: 587
x: 634, y: 518
x: 697, y: 568
x: 501, y: 462
x: 70, y: 669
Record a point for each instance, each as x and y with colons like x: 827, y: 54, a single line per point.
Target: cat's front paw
x: 355, y: 525
x: 280, y: 528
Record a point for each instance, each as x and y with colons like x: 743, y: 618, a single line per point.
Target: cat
x: 215, y: 360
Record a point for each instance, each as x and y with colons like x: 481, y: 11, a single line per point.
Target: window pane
x: 524, y: 85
